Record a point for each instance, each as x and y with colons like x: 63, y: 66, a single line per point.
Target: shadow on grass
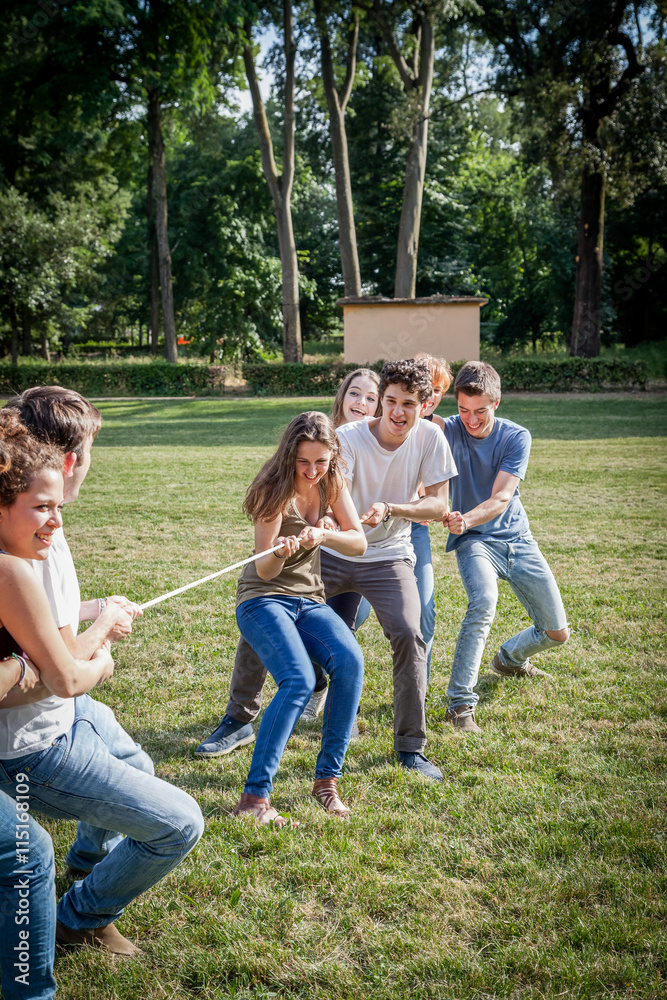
x: 259, y: 422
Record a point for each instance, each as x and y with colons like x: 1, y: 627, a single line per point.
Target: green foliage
x: 152, y: 378
x: 517, y: 375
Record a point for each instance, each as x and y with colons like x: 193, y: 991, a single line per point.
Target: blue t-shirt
x: 479, y: 460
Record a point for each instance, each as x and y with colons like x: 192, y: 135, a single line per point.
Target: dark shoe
x: 418, y: 762
x: 527, y: 670
x: 105, y: 938
x: 463, y: 717
x: 230, y: 735
x: 76, y: 874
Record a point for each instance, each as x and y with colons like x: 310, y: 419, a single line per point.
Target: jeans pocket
x: 44, y: 767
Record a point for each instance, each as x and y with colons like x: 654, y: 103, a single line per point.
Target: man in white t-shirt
x: 387, y: 458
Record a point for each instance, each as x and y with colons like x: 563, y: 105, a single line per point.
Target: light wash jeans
x: 288, y: 634
x: 78, y: 777
x: 482, y: 562
x: 92, y: 844
x: 421, y: 543
x: 23, y: 894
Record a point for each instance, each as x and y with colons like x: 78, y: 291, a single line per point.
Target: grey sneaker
x: 463, y: 717
x: 230, y: 735
x: 315, y: 706
x: 419, y: 763
x: 527, y: 670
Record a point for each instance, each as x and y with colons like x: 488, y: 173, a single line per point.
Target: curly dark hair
x: 22, y: 455
x: 411, y: 374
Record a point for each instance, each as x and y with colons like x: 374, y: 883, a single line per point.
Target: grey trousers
x: 390, y: 587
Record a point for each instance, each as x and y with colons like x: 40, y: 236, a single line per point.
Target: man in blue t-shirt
x: 490, y: 534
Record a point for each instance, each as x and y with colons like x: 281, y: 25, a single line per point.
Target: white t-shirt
x: 31, y: 728
x: 373, y: 473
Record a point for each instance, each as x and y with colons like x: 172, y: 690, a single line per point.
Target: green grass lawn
x: 536, y: 869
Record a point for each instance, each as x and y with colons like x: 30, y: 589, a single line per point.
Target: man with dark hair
x: 133, y: 828
x: 489, y: 531
x: 386, y: 457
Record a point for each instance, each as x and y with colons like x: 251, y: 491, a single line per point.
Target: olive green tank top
x: 299, y: 577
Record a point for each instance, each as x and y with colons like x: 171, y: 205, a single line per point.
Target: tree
x: 337, y: 101
x: 280, y: 183
x: 573, y: 63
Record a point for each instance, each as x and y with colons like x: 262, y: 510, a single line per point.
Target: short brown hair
x: 478, y: 378
x: 59, y: 416
x: 412, y: 376
x: 439, y: 369
x: 22, y: 455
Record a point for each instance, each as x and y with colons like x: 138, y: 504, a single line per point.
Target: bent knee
x: 559, y: 635
x: 192, y: 824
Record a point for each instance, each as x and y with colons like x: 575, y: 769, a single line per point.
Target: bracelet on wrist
x: 465, y: 526
x: 387, y: 515
x: 24, y: 667
x: 101, y: 605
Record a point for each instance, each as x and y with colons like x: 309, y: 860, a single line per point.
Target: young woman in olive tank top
x: 281, y: 609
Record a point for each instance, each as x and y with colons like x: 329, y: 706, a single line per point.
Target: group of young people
x: 341, y: 511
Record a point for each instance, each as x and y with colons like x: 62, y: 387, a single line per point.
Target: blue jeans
x: 22, y: 895
x: 482, y: 562
x: 92, y: 843
x: 289, y: 634
x: 78, y: 777
x: 421, y: 543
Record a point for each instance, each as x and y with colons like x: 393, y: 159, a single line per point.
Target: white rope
x: 205, y: 579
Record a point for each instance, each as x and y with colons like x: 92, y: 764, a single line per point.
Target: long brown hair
x: 273, y: 487
x: 337, y: 411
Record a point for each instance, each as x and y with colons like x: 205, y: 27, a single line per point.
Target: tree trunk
x: 154, y: 265
x: 413, y: 189
x: 15, y: 333
x: 280, y: 185
x: 44, y: 345
x: 336, y: 106
x: 26, y: 323
x: 585, y: 339
x: 161, y: 224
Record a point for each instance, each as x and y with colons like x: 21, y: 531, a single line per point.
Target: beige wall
x: 390, y: 330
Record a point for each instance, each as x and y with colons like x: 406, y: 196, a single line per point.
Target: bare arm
x: 350, y: 540
x: 504, y: 487
x: 431, y: 507
x: 266, y: 536
x: 10, y: 677
x: 112, y: 624
x: 26, y: 609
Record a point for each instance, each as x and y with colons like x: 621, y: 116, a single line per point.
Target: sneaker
x: 418, y: 762
x: 315, y: 706
x: 230, y: 735
x: 463, y: 717
x: 527, y: 670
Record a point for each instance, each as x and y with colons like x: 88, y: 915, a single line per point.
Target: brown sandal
x: 324, y: 789
x: 261, y: 809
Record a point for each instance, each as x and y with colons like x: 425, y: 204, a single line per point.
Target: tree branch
x: 405, y: 73
x: 353, y: 38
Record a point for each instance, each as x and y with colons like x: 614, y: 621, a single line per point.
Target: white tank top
x: 31, y: 728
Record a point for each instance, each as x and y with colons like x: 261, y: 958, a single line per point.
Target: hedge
x: 160, y: 378
x: 119, y: 378
x: 517, y: 375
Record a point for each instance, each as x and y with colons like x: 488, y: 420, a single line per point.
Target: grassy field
x: 536, y: 869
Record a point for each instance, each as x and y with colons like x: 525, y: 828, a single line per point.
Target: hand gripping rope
x: 212, y: 576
